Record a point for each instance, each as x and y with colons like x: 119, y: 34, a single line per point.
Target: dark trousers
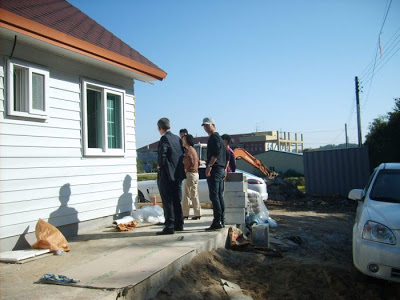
x: 169, y: 191
x: 216, y: 190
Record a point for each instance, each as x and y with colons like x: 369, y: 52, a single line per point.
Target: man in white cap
x: 215, y: 172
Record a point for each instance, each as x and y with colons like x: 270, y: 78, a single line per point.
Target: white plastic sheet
x: 149, y: 214
x: 259, y: 209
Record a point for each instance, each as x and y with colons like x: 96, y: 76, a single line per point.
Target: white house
x: 67, y: 120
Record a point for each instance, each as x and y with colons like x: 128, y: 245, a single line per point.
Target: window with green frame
x: 103, y: 112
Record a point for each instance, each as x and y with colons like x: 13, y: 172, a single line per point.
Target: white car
x: 376, y: 231
x: 148, y: 189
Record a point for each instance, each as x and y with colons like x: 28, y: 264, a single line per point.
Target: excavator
x: 241, y: 153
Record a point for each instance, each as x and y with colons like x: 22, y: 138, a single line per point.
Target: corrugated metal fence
x: 336, y: 172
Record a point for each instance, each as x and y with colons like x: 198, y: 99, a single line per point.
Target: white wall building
x: 67, y: 120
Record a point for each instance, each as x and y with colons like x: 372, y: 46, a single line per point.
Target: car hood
x: 385, y: 213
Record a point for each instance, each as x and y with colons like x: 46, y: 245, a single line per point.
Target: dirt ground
x: 316, y: 260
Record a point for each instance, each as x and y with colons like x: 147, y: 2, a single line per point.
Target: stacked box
x: 235, y: 215
x: 235, y: 186
x: 235, y: 198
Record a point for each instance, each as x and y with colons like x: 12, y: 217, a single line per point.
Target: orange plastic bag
x: 49, y: 237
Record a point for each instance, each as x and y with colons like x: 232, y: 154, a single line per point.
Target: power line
x: 384, y: 62
x: 379, y: 36
x: 373, y: 73
x: 376, y: 72
x: 368, y: 70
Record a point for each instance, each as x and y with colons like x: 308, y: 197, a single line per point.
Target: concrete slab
x: 127, y: 266
x: 113, y: 265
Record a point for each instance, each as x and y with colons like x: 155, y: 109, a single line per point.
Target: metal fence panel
x: 336, y: 172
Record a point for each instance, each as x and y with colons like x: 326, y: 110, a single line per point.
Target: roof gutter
x: 41, y: 32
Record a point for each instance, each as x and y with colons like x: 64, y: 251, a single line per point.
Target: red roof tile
x: 64, y: 17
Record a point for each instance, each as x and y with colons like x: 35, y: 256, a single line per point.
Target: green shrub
x: 297, y: 181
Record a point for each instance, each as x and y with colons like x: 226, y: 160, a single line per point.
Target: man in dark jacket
x: 170, y: 174
x: 215, y: 172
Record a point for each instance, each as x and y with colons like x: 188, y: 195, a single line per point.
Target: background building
x: 277, y: 150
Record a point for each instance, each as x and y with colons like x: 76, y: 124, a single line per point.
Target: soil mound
x: 282, y: 190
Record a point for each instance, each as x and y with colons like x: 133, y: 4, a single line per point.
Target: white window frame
x: 104, y: 88
x: 32, y: 68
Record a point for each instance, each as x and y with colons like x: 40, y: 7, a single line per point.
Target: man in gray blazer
x: 170, y: 175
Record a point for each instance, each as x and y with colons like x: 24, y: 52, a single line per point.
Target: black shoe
x: 196, y: 218
x: 166, y: 231
x: 223, y: 224
x: 214, y: 227
x: 178, y: 228
x: 187, y: 218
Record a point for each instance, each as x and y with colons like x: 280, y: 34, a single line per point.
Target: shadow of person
x: 65, y: 218
x: 125, y: 201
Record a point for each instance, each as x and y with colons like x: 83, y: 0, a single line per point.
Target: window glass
x: 386, y: 186
x: 20, y: 75
x: 203, y: 153
x: 38, y: 91
x: 114, y: 121
x: 94, y: 119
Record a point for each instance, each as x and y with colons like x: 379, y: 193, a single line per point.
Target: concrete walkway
x: 111, y: 264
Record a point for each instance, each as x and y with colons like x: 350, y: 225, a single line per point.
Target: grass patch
x: 146, y: 176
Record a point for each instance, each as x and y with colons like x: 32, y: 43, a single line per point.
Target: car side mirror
x: 356, y: 194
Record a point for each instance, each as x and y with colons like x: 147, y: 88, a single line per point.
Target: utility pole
x: 358, y: 113
x: 346, y: 137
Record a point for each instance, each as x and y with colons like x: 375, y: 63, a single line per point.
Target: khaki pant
x: 190, y: 194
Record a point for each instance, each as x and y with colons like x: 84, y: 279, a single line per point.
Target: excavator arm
x: 240, y: 153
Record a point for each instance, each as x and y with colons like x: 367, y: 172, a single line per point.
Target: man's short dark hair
x: 227, y: 138
x: 163, y: 123
x: 189, y: 139
x: 184, y: 131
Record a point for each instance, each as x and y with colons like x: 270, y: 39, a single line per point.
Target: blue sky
x: 260, y: 65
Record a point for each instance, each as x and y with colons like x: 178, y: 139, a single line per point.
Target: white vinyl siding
x: 38, y: 160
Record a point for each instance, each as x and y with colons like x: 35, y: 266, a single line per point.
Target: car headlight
x: 378, y: 233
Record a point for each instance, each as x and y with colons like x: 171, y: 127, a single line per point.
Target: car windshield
x: 386, y: 186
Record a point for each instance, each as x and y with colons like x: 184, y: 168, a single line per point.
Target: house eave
x: 70, y: 45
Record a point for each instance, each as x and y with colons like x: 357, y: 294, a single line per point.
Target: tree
x: 383, y: 139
